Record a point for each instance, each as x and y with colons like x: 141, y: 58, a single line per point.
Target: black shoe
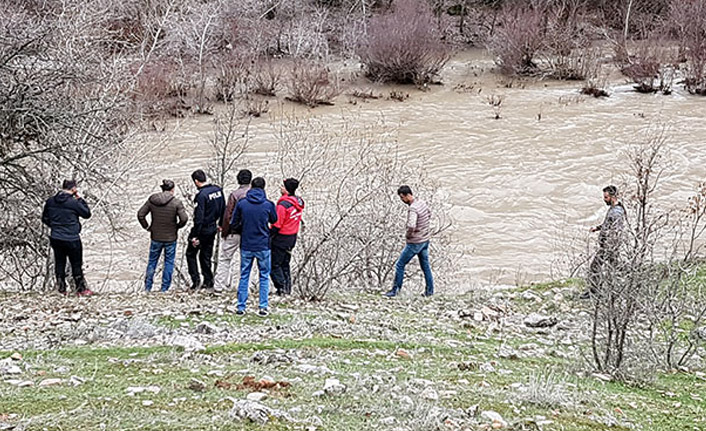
x: 61, y: 285
x: 240, y: 312
x: 195, y: 285
x: 80, y: 284
x: 263, y: 312
x: 427, y: 294
x: 207, y: 286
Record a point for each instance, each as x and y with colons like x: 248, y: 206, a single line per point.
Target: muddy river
x: 521, y: 187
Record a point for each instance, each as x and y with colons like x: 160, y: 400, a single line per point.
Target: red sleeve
x: 281, y: 213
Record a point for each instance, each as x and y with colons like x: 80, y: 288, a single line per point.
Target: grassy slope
x: 672, y: 402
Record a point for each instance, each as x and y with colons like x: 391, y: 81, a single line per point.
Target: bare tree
x: 62, y: 114
x: 352, y: 229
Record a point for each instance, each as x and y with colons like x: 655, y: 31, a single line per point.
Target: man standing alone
x: 252, y: 217
x: 609, y: 240
x: 168, y: 216
x: 230, y: 241
x: 418, y: 236
x: 61, y: 213
x: 284, y: 235
x: 208, y: 215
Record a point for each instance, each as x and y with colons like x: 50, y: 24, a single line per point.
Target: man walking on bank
x: 61, y: 213
x: 208, y: 215
x: 284, y: 235
x: 168, y: 216
x: 418, y: 235
x: 609, y: 240
x: 230, y: 241
x: 252, y: 217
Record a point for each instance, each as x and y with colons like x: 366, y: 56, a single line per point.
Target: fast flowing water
x: 521, y: 186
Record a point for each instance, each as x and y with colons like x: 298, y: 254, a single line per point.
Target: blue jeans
x: 156, y: 248
x: 411, y: 250
x: 263, y: 266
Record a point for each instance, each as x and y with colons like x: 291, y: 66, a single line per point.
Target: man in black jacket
x: 208, y: 215
x: 61, y: 213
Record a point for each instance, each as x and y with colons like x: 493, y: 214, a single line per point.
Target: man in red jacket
x: 284, y: 235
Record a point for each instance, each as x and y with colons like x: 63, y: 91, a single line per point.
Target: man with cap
x: 167, y: 217
x: 284, y: 235
x: 61, y: 213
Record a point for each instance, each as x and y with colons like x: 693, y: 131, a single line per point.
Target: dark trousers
x: 204, y: 251
x: 281, y: 274
x: 603, y: 265
x: 73, y: 250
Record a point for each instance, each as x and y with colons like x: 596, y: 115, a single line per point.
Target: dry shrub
x: 651, y: 294
x: 354, y: 227
x: 311, y: 84
x: 518, y: 38
x: 266, y: 77
x: 161, y: 90
x: 688, y: 20
x: 63, y: 114
x: 567, y: 41
x: 652, y: 66
x: 403, y: 45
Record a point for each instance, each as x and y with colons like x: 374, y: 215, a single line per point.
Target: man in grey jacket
x: 418, y: 235
x: 168, y: 216
x: 609, y: 240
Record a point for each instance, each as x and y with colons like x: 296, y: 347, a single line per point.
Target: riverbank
x: 511, y: 359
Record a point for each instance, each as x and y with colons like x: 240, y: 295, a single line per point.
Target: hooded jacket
x: 233, y: 199
x: 61, y: 213
x: 168, y: 216
x: 208, y: 211
x: 251, y: 218
x: 289, y: 216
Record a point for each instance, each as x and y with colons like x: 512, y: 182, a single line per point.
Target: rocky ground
x: 511, y: 359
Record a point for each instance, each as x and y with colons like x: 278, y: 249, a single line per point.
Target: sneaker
x: 85, y: 292
x: 427, y: 294
x: 240, y: 312
x: 195, y: 285
x: 263, y: 312
x: 391, y: 294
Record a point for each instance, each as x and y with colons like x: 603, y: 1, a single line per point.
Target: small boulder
x: 536, y: 320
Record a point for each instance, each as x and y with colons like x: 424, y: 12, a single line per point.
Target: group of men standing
x: 262, y: 231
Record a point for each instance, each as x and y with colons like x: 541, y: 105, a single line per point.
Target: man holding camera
x: 61, y: 213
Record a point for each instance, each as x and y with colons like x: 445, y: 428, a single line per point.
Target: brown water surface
x: 519, y: 185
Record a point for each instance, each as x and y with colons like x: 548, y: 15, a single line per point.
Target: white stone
x: 256, y: 396
x: 430, y: 394
x: 50, y: 382
x: 334, y: 387
x: 494, y: 418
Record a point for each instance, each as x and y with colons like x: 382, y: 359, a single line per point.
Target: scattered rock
x: 189, y: 344
x: 197, y: 385
x: 16, y: 356
x: 207, y: 328
x: 20, y: 383
x: 496, y: 421
x: 430, y: 394
x: 403, y: 354
x: 253, y: 411
x: 334, y: 387
x: 147, y: 403
x: 528, y: 295
x: 50, y: 382
x: 256, y: 396
x: 10, y: 370
x: 536, y: 320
